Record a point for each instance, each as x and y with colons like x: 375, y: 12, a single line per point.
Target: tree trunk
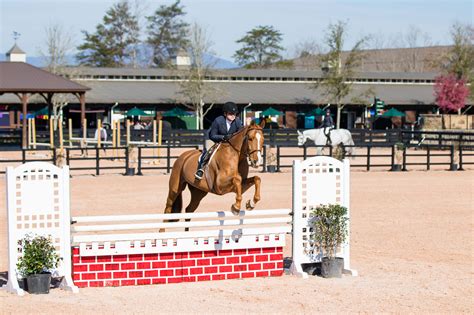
x: 338, y: 117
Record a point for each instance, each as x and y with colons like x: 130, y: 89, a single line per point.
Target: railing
x: 144, y: 159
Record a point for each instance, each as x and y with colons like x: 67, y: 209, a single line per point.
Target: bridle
x: 246, y: 137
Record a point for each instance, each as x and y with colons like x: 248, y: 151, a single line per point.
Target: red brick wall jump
x: 140, y: 269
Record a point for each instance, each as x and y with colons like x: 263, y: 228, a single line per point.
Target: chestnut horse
x: 227, y: 171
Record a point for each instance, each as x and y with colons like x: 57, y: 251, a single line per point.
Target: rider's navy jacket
x: 327, y: 122
x: 219, y: 128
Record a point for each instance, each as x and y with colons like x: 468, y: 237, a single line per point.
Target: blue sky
x: 228, y: 20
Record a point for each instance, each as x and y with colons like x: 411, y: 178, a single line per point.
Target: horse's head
x: 255, y: 144
x: 301, y: 138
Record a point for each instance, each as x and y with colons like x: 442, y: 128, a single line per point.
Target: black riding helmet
x: 230, y: 107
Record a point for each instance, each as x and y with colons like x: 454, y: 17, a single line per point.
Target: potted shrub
x: 271, y: 159
x: 329, y: 225
x: 339, y: 152
x: 38, y: 258
x: 398, y: 151
x: 132, y: 160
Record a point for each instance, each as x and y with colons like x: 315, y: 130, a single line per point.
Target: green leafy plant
x: 329, y: 225
x: 39, y: 255
x: 399, y: 146
x: 271, y: 157
x: 339, y: 152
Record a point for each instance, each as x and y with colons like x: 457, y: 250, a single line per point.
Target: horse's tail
x: 351, y: 143
x: 177, y: 184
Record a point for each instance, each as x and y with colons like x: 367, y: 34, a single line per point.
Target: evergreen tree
x: 113, y: 40
x: 261, y: 47
x: 167, y: 33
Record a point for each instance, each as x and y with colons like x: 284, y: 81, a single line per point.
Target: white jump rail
x: 259, y: 228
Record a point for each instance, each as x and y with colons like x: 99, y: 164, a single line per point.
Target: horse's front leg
x: 246, y: 184
x: 237, y: 183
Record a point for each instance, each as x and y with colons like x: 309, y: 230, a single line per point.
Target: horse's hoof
x: 234, y: 210
x: 249, y: 205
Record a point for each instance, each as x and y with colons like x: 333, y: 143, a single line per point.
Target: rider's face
x: 230, y: 116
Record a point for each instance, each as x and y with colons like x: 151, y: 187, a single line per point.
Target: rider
x: 328, y: 125
x: 221, y: 129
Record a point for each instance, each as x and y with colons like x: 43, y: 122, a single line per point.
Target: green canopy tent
x: 42, y: 112
x: 316, y: 112
x: 137, y: 112
x: 392, y: 112
x: 272, y: 112
x: 176, y: 112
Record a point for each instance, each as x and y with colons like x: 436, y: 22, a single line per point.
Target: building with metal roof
x: 287, y: 90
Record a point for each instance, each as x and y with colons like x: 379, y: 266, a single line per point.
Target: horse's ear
x: 252, y: 123
x: 299, y: 133
x: 262, y: 123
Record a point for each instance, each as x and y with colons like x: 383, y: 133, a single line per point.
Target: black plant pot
x: 130, y: 171
x: 396, y: 168
x: 271, y: 168
x: 38, y: 283
x: 332, y: 268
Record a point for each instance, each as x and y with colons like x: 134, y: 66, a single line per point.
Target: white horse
x: 319, y: 138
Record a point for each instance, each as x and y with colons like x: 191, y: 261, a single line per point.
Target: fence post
x: 127, y: 160
x: 67, y: 158
x: 168, y: 159
x: 392, y: 162
x: 97, y: 161
x: 460, y: 158
x: 305, y: 152
x: 54, y: 156
x: 428, y: 158
x: 368, y: 157
x: 278, y: 158
x: 23, y: 155
x: 139, y: 171
x: 264, y: 159
x: 404, y: 168
x: 330, y: 150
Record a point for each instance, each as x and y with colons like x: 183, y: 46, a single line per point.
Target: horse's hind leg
x: 246, y: 184
x: 196, y: 197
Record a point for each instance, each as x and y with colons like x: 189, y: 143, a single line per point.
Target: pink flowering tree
x: 450, y: 93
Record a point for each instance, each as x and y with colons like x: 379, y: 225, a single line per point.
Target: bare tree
x: 57, y: 46
x: 308, y: 53
x: 194, y: 90
x: 336, y: 82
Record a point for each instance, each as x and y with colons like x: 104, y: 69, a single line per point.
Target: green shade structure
x: 176, y: 112
x: 392, y: 112
x: 271, y: 112
x: 137, y: 112
x: 316, y: 112
x: 42, y: 112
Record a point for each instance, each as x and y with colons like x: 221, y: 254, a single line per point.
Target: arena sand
x: 412, y: 244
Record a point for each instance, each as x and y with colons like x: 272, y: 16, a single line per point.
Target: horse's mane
x: 245, y: 129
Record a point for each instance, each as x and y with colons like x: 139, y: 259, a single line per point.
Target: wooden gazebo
x: 24, y: 80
